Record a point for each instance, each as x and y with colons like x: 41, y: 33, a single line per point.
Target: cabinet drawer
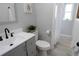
x: 32, y: 51
x: 30, y: 42
x: 31, y: 47
x: 18, y: 51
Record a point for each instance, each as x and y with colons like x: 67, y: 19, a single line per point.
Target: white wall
x: 67, y: 27
x: 44, y: 16
x: 23, y: 20
x: 75, y: 33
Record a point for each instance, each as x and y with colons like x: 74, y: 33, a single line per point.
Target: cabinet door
x: 18, y: 51
x: 31, y: 47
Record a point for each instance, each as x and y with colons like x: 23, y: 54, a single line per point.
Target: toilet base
x: 42, y: 53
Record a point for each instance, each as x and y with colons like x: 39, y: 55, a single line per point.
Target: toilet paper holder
x: 48, y: 32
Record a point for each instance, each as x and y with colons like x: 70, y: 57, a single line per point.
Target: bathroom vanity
x: 22, y: 45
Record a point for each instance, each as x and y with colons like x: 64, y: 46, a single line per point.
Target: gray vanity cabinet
x: 18, y: 51
x: 27, y: 48
x: 31, y: 47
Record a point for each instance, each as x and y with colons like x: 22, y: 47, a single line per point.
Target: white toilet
x: 42, y: 45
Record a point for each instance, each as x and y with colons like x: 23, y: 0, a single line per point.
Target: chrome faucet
x: 6, y: 30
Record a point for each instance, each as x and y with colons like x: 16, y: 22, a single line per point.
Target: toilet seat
x: 42, y: 45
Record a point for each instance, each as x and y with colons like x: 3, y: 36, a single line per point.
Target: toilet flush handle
x: 48, y: 32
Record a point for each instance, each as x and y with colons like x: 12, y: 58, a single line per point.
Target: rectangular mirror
x: 7, y: 12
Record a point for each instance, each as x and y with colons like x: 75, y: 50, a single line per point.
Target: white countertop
x: 19, y: 39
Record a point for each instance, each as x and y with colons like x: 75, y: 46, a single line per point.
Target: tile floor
x: 62, y: 48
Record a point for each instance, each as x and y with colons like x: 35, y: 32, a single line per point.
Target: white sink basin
x: 17, y: 37
x: 7, y: 42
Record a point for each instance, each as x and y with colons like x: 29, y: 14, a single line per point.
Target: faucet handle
x: 12, y: 34
x: 77, y: 44
x: 1, y: 38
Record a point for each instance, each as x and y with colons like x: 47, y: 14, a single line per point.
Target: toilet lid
x: 42, y: 44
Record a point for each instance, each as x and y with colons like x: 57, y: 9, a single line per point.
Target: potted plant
x: 31, y: 28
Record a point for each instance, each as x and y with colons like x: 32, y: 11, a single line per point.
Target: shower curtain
x: 56, y: 23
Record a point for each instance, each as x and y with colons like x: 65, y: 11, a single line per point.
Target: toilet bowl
x: 43, y: 47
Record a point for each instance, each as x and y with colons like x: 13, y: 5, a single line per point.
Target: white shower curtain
x: 56, y: 26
